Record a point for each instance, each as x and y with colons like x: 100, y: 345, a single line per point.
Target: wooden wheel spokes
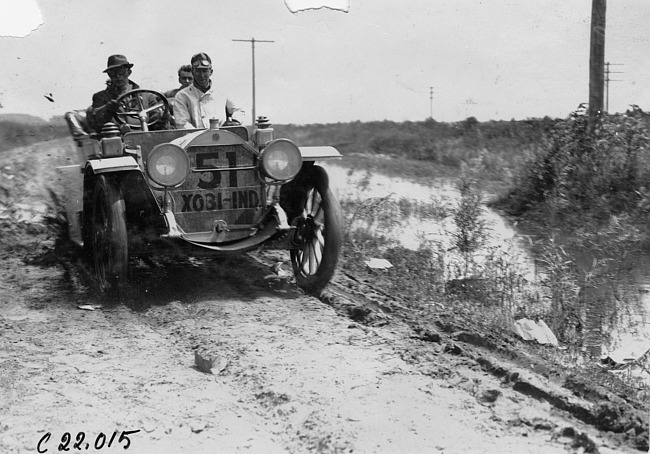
x: 318, y: 232
x: 311, y: 255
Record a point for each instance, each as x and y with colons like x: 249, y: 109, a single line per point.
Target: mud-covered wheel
x: 318, y: 232
x: 108, y: 236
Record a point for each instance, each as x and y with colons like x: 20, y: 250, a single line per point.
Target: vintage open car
x: 219, y: 191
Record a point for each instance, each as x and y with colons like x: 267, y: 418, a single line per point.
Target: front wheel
x: 108, y: 236
x: 318, y: 233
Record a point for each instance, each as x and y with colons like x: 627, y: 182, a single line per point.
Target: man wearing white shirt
x: 196, y: 105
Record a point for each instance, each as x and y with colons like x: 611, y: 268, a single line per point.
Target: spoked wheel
x: 108, y: 236
x: 318, y: 233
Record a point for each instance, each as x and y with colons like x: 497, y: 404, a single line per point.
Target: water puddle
x: 628, y: 330
x: 443, y: 193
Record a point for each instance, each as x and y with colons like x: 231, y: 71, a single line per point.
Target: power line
x: 253, y: 41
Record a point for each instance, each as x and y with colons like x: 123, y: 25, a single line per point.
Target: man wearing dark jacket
x: 104, y: 105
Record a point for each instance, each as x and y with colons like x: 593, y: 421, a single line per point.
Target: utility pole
x: 431, y: 93
x: 596, y: 61
x: 253, y: 41
x: 608, y: 80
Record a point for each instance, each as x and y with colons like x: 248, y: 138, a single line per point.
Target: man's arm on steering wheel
x: 142, y: 109
x: 100, y: 112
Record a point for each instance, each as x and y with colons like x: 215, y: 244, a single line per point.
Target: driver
x: 104, y: 105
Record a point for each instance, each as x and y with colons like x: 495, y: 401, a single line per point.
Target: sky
x: 380, y: 60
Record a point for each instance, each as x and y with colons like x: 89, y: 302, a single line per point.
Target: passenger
x: 196, y: 104
x: 104, y: 105
x: 185, y: 78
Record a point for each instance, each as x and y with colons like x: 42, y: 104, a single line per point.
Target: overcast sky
x: 492, y: 59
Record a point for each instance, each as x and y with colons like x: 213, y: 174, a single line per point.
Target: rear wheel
x: 108, y: 236
x: 318, y: 232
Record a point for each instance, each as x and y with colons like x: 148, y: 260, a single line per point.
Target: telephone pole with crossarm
x: 253, y: 41
x: 608, y: 71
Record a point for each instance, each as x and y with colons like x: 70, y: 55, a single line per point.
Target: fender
x: 108, y: 165
x: 317, y: 153
x: 142, y: 208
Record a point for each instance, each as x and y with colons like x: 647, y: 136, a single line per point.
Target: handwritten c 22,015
x: 80, y: 443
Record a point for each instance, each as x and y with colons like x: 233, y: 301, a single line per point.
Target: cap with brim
x: 201, y: 60
x: 117, y: 61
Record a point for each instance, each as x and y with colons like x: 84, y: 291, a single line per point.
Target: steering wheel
x: 141, y: 108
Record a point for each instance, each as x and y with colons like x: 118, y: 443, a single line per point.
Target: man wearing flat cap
x: 195, y: 105
x: 104, y: 105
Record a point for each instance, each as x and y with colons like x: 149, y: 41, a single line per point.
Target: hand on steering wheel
x: 141, y: 108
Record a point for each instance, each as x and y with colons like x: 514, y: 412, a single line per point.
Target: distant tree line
x: 494, y: 145
x: 418, y: 140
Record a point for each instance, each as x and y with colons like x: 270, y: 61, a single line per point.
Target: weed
x: 559, y: 277
x: 471, y: 231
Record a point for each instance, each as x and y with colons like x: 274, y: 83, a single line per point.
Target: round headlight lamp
x: 281, y: 160
x: 168, y: 165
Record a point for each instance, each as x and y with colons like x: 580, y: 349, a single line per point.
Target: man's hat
x: 201, y: 60
x: 117, y: 61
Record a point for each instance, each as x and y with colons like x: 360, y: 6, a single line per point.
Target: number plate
x: 223, y: 185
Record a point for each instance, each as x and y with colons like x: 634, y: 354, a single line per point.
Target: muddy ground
x: 354, y: 370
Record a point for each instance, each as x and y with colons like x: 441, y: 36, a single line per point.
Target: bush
x: 575, y: 173
x: 471, y: 229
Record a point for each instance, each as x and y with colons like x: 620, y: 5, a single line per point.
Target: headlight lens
x: 168, y: 165
x: 281, y: 160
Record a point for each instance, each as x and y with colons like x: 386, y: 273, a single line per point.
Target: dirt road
x: 289, y: 373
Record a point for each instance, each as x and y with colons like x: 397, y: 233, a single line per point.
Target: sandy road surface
x: 290, y: 372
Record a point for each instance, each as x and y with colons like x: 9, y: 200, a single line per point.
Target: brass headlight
x: 281, y: 160
x: 168, y: 165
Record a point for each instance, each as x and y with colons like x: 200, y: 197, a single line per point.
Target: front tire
x: 108, y: 236
x: 318, y: 232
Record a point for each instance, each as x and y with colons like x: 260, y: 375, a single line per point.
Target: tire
x: 318, y: 232
x: 108, y: 236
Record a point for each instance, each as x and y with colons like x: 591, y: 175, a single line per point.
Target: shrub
x: 471, y: 229
x: 575, y: 173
